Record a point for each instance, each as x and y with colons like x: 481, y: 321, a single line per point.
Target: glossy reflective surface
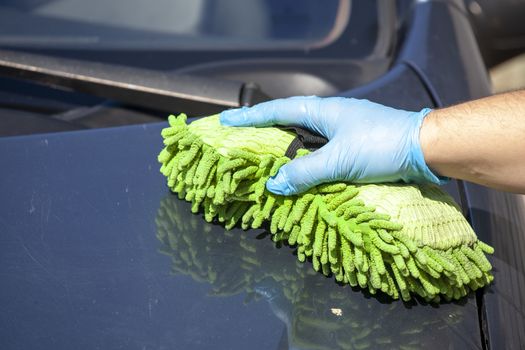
x: 198, y: 24
x: 499, y: 219
x: 95, y: 252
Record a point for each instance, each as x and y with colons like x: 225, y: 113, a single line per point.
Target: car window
x: 174, y: 24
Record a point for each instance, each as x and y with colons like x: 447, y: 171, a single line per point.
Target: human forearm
x: 482, y: 141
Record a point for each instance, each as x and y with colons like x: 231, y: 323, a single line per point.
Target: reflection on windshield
x: 196, y: 24
x: 317, y: 312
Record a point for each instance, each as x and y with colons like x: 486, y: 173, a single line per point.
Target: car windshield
x: 172, y: 24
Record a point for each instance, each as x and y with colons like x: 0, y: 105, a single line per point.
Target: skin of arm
x: 481, y: 141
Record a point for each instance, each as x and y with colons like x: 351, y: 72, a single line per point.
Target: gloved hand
x: 368, y: 142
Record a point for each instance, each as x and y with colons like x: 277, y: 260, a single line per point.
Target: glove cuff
x: 420, y: 172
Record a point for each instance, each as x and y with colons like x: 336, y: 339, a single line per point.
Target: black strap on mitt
x: 304, y: 139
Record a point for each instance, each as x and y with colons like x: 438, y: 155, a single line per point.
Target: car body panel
x: 85, y: 218
x: 498, y: 219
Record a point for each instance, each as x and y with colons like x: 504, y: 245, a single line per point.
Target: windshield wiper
x: 165, y: 91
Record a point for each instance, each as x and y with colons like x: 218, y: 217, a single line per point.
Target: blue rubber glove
x: 368, y: 142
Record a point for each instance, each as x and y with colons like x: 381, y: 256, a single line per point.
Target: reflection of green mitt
x: 318, y: 315
x: 399, y: 239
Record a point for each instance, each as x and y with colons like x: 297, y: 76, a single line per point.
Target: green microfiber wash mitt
x: 399, y: 239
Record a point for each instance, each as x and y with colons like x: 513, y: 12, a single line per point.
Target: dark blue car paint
x: 82, y: 267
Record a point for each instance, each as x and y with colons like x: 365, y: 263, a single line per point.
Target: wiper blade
x: 195, y: 95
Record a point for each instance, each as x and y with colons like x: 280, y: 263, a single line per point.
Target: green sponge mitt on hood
x: 398, y: 239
